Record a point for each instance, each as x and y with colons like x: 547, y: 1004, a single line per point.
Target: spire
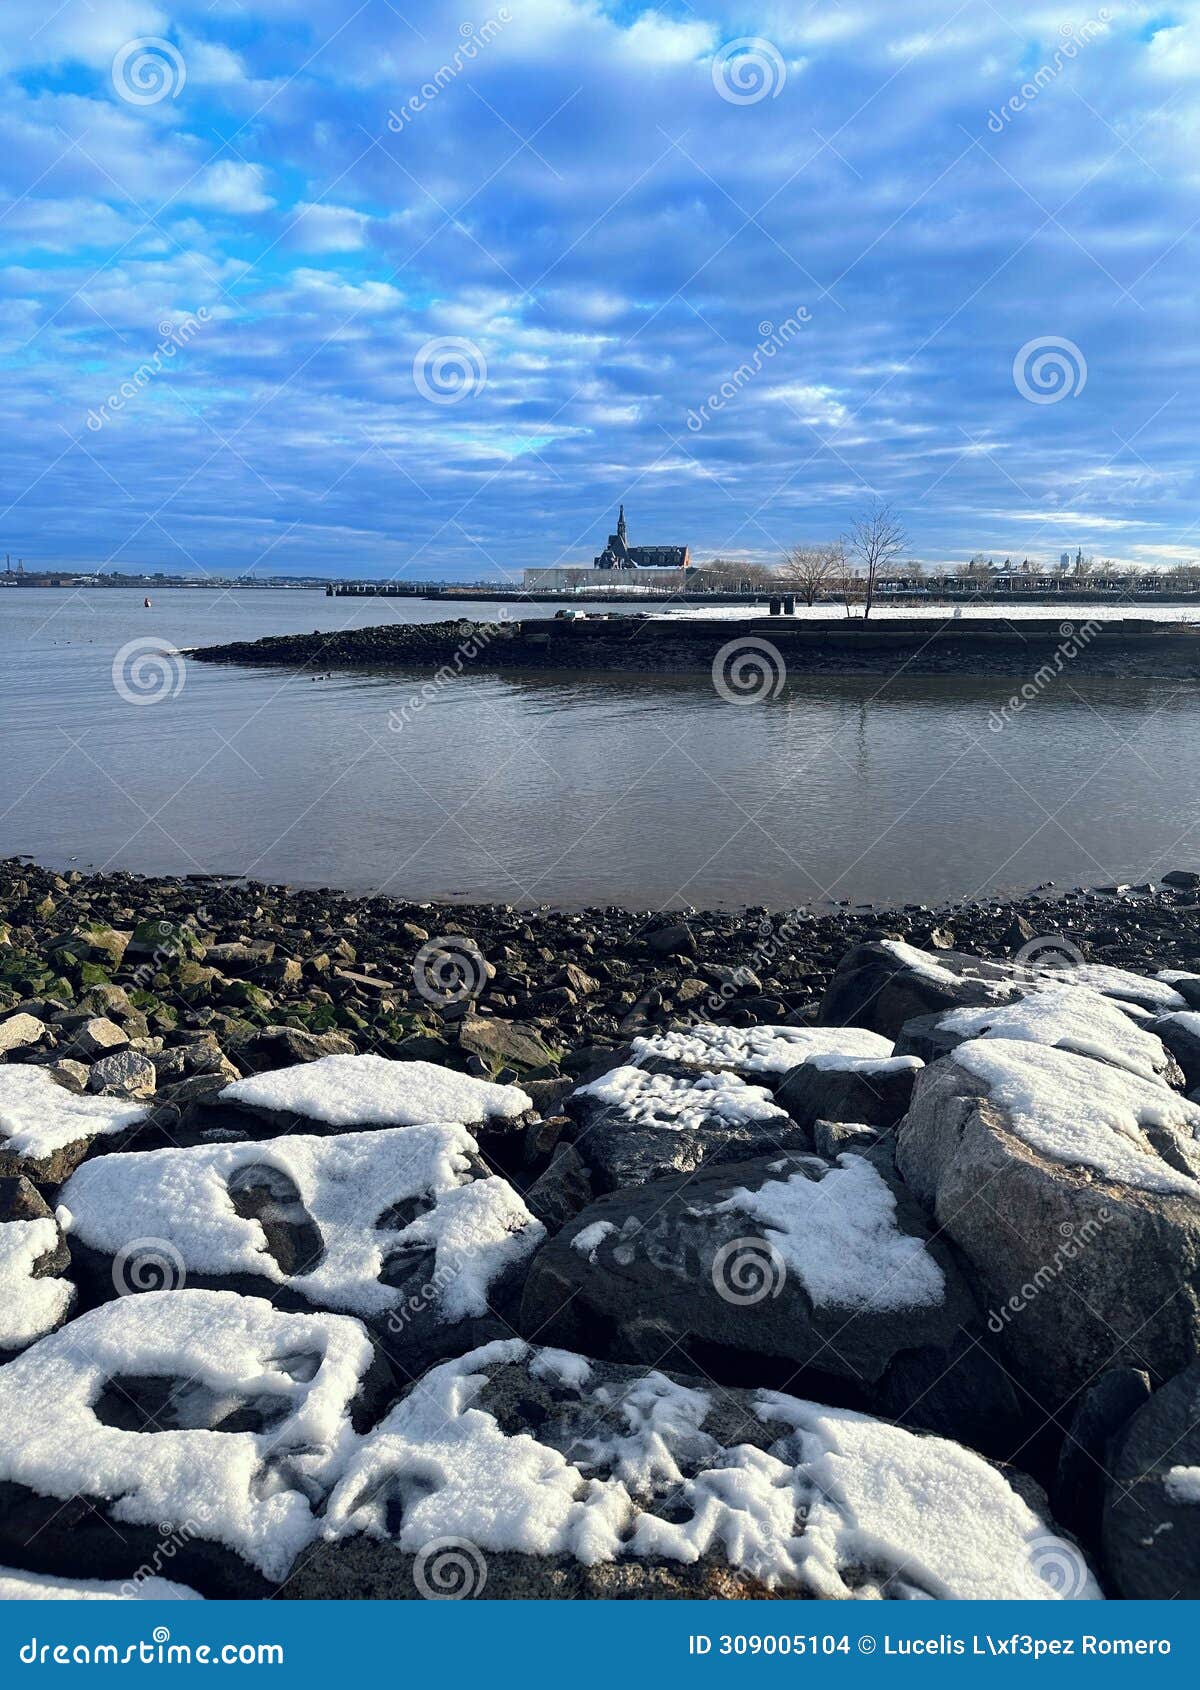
x: 621, y: 526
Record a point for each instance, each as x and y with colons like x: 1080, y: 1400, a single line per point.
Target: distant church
x: 617, y: 554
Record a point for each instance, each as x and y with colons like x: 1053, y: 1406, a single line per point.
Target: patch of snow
x: 29, y: 1307
x: 663, y: 1100
x: 1083, y: 1113
x: 837, y: 1492
x: 39, y: 1117
x: 346, y: 1183
x: 1120, y: 983
x: 373, y: 1091
x: 255, y: 1492
x: 759, y: 1050
x: 880, y: 1066
x: 43, y: 1587
x: 839, y: 1235
x: 1068, y: 1017
x: 1183, y: 1484
x: 589, y: 1240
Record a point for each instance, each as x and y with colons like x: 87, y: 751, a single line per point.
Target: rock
x: 1151, y: 1527
x: 281, y: 1047
x: 405, y: 1228
x: 127, y: 1073
x: 764, y: 1055
x: 831, y: 1138
x: 46, y: 1130
x: 500, y: 1043
x: 96, y: 1037
x: 35, y: 1298
x: 165, y: 942
x: 18, y: 1032
x: 863, y: 1090
x: 1185, y: 879
x: 784, y: 1269
x: 123, y: 1405
x: 561, y: 1191
x: 68, y: 1073
x: 883, y: 984
x: 550, y: 1475
x: 632, y: 1125
x: 1180, y: 1032
x: 1103, y: 1410
x: 676, y: 940
x: 240, y: 957
x: 1052, y: 1174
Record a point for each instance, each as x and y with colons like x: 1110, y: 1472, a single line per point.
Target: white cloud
x: 230, y: 185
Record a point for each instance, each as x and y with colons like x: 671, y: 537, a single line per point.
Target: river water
x: 648, y: 792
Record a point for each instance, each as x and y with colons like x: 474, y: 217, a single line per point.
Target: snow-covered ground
x: 883, y: 608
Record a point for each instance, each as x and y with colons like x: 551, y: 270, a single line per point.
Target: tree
x: 808, y: 569
x: 875, y: 541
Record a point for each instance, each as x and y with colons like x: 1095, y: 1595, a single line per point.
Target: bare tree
x: 875, y: 541
x: 808, y: 569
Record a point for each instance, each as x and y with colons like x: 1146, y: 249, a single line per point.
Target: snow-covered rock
x: 34, y: 1297
x: 16, y: 1586
x: 343, y: 1092
x: 404, y: 1227
x: 634, y: 1125
x: 762, y: 1054
x: 871, y: 1091
x: 1151, y: 1524
x: 526, y: 1472
x: 1072, y: 1188
x: 206, y: 1416
x: 1065, y: 1017
x: 763, y: 1270
x: 46, y: 1130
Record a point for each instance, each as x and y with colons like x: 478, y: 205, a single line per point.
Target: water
x: 647, y: 792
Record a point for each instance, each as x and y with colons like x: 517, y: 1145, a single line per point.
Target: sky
x: 363, y: 288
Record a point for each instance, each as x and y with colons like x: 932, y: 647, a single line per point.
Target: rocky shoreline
x: 593, y: 1253
x: 1026, y: 648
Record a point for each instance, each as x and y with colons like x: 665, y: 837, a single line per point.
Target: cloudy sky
x: 362, y: 287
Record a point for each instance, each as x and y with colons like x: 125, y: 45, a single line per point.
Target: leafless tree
x: 808, y: 569
x: 875, y: 541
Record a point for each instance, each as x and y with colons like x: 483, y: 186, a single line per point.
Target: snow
x: 1083, y: 1113
x: 759, y: 1050
x: 1068, y: 1017
x: 838, y: 1234
x: 477, y: 1228
x: 589, y: 1239
x: 1183, y: 1484
x: 255, y: 1492
x: 29, y: 1307
x: 1121, y: 984
x: 835, y: 1493
x: 878, y: 1066
x: 671, y: 1103
x: 39, y: 1117
x: 373, y: 1091
x: 42, y: 1587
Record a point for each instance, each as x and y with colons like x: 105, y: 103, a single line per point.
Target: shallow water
x: 646, y: 792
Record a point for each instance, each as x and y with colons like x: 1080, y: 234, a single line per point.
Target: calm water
x: 646, y: 792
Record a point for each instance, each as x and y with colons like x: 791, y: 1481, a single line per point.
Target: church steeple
x: 621, y: 526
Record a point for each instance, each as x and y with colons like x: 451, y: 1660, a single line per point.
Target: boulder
x: 1180, y: 1033
x: 632, y: 1125
x: 107, y: 1438
x: 34, y: 1296
x: 19, y: 1032
x: 884, y: 983
x: 1052, y: 1174
x: 504, y: 1044
x: 771, y: 1271
x: 863, y: 1090
x: 404, y: 1227
x: 517, y: 1472
x: 46, y: 1130
x: 282, y: 1047
x: 95, y: 1036
x: 1151, y: 1527
x: 1102, y: 1412
x: 127, y: 1073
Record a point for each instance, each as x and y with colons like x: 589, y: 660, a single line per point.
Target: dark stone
x: 1151, y: 1534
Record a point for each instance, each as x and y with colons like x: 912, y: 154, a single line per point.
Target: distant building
x: 618, y: 554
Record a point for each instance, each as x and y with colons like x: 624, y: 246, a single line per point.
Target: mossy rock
x: 92, y: 974
x: 247, y: 996
x: 165, y: 940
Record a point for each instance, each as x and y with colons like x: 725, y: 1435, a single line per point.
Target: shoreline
x: 993, y: 646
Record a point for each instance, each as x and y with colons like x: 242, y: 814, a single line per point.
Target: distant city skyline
x: 311, y: 288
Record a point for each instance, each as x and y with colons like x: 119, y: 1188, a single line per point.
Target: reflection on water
x: 541, y: 788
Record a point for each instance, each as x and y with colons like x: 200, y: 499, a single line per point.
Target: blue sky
x: 404, y: 289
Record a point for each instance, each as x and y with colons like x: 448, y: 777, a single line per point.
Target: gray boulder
x: 1151, y: 1529
x: 884, y: 983
x: 1072, y: 1190
x: 860, y: 1090
x: 783, y: 1270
